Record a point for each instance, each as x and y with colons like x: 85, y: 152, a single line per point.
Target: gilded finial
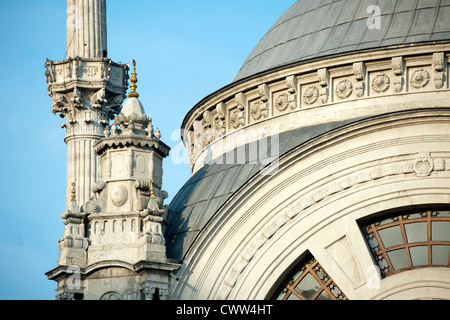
x: 152, y: 191
x: 73, y: 192
x: 133, y: 80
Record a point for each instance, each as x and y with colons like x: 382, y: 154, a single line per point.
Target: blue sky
x: 184, y: 51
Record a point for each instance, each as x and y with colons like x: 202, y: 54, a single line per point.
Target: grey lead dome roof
x: 312, y: 29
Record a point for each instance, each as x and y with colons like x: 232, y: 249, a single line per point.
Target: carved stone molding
x: 381, y: 83
x: 311, y: 95
x: 438, y: 67
x: 397, y: 67
x: 324, y: 79
x: 344, y: 89
x: 420, y: 78
x: 281, y: 102
x: 359, y: 73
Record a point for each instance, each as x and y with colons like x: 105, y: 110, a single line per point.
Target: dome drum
x: 350, y: 87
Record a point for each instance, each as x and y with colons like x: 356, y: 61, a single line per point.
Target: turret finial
x: 133, y: 80
x: 73, y: 192
x: 152, y: 191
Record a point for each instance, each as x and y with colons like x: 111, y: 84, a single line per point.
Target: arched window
x: 412, y: 239
x: 309, y: 281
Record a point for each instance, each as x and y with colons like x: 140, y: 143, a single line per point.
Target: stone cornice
x: 131, y: 140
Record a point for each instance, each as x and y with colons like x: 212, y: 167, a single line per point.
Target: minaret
x: 86, y: 28
x: 87, y: 89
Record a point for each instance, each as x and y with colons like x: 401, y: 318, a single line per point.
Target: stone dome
x: 312, y: 29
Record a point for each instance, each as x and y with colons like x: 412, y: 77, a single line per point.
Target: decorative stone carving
x: 397, y: 67
x: 292, y: 83
x: 358, y: 71
x: 281, y: 102
x: 260, y: 108
x: 423, y: 164
x: 344, y: 89
x: 98, y: 99
x: 438, y: 68
x: 381, y: 83
x: 324, y: 78
x: 119, y: 195
x: 420, y: 78
x: 221, y: 113
x: 237, y: 117
x: 311, y: 95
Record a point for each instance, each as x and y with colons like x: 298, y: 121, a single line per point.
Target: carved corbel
x: 98, y: 99
x: 291, y: 83
x: 264, y: 93
x: 59, y: 104
x: 76, y: 98
x: 238, y: 119
x: 221, y: 112
x: 397, y: 67
x: 207, y: 122
x: 324, y: 76
x: 359, y: 72
x: 438, y: 70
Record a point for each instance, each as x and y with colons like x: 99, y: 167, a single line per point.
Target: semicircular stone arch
x: 313, y: 204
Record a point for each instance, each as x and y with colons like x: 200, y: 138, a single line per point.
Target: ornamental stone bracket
x: 421, y: 166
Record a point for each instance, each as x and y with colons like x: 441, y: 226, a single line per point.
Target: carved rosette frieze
x: 381, y: 83
x: 397, y: 67
x: 281, y: 102
x: 422, y: 166
x: 344, y: 89
x: 438, y: 70
x: 420, y: 78
x: 399, y: 73
x: 310, y: 95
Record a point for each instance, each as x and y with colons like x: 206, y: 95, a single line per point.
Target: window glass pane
x: 439, y: 255
x: 416, y: 232
x: 440, y: 230
x: 308, y: 286
x: 391, y: 236
x: 398, y: 259
x: 419, y: 255
x: 443, y: 213
x: 418, y: 215
x: 293, y: 297
x: 323, y: 296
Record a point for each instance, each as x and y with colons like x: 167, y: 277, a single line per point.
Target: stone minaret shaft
x: 87, y: 89
x: 86, y: 28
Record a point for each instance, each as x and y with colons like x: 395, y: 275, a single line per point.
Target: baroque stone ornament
x: 423, y: 164
x: 344, y: 89
x: 119, y: 195
x: 311, y: 95
x: 420, y: 78
x: 358, y: 71
x: 438, y: 68
x: 281, y: 102
x: 381, y: 83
